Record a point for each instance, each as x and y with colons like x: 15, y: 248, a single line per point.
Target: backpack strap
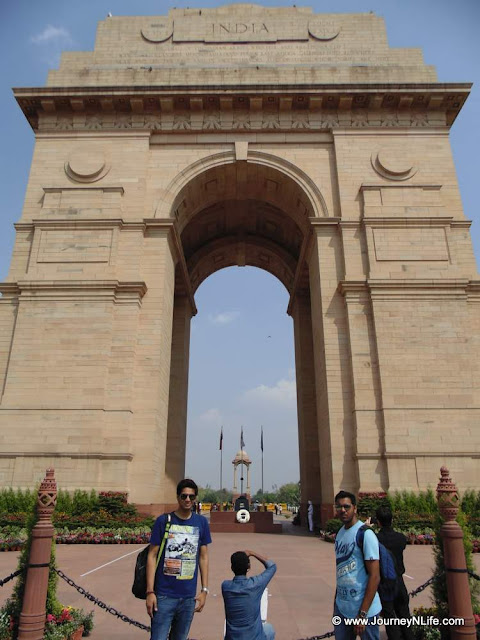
x: 165, y: 536
x: 360, y: 536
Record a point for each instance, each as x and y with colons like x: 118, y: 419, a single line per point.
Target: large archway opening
x: 242, y: 373
x: 232, y: 212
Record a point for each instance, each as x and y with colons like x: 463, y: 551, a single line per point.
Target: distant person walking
x: 242, y: 596
x: 395, y: 542
x: 358, y: 574
x: 310, y: 516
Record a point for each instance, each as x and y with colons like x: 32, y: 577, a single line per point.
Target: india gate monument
x: 296, y: 142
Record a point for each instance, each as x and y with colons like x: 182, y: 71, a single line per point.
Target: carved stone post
x: 32, y: 618
x: 458, y: 588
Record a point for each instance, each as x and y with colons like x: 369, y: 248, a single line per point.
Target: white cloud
x: 283, y: 394
x: 53, y: 34
x: 211, y: 416
x: 225, y: 317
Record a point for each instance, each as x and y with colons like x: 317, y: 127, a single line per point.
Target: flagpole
x: 241, y: 472
x: 221, y: 457
x: 261, y: 446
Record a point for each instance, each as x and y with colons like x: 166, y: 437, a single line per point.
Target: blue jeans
x: 346, y: 632
x: 173, y: 615
x: 268, y: 630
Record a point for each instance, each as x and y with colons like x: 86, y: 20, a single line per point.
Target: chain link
x: 421, y: 587
x: 100, y: 604
x: 10, y: 577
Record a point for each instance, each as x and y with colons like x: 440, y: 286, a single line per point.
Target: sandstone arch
x: 231, y: 174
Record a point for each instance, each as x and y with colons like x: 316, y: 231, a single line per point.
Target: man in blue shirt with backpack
x: 178, y: 548
x: 358, y: 574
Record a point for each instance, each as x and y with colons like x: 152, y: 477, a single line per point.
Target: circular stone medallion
x: 157, y: 31
x: 393, y: 164
x: 86, y: 165
x: 322, y: 29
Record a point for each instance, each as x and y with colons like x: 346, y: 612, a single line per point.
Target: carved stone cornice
x: 411, y: 455
x: 473, y: 291
x: 410, y: 289
x: 354, y: 290
x: 94, y: 455
x: 410, y: 222
x: 264, y: 107
x: 73, y: 290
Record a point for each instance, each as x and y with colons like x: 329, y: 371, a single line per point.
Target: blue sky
x: 242, y: 359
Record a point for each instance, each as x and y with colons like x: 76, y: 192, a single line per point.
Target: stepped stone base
x: 260, y: 522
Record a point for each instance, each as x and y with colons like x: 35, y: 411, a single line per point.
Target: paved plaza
x: 301, y: 593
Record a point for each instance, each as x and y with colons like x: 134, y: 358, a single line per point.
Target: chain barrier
x: 100, y: 604
x: 413, y: 593
x: 325, y: 635
x: 10, y: 577
x: 139, y: 625
x: 421, y: 587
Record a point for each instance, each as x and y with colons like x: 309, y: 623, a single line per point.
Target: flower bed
x: 120, y: 536
x: 13, y: 539
x: 69, y: 624
x: 141, y: 535
x: 412, y: 538
x: 429, y: 632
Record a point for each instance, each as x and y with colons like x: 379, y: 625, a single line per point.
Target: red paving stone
x: 301, y: 593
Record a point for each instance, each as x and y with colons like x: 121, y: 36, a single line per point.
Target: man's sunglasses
x: 188, y: 496
x: 343, y: 507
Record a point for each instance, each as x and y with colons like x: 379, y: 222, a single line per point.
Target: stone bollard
x: 32, y: 619
x: 458, y: 588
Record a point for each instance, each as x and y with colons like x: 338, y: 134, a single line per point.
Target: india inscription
x: 197, y: 28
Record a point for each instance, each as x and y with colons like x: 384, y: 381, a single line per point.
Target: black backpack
x: 139, y: 587
x: 388, y: 587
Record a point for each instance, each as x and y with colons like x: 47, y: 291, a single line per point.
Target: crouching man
x: 242, y: 598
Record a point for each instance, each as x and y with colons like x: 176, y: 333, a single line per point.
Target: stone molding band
x: 95, y: 455
x: 354, y: 290
x: 262, y: 107
x: 65, y: 290
x: 418, y: 454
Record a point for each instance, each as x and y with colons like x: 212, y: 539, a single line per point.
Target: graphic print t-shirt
x: 178, y: 567
x: 352, y: 577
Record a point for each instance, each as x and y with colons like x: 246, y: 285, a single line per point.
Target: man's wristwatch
x: 205, y: 590
x: 362, y: 614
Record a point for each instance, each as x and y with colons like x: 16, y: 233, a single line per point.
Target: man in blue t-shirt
x: 171, y: 587
x: 358, y: 575
x: 242, y: 598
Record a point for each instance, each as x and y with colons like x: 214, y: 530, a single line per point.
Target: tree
x: 289, y: 493
x: 268, y: 496
x: 207, y: 494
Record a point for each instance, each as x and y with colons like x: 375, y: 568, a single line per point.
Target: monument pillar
x: 308, y: 427
x: 177, y: 406
x: 156, y: 332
